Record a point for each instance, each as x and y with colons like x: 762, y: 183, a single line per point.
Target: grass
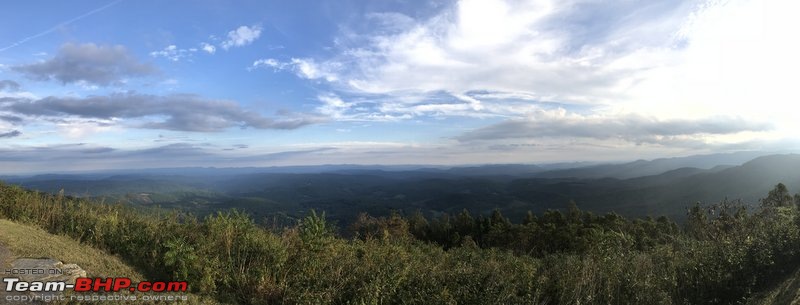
x: 28, y: 241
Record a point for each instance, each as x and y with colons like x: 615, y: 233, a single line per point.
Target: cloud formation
x: 208, y: 48
x: 10, y: 134
x: 483, y: 58
x: 305, y: 68
x: 11, y: 119
x: 88, y: 157
x: 630, y: 128
x: 172, y: 53
x: 242, y: 36
x: 90, y: 63
x: 662, y: 58
x: 9, y: 85
x: 542, y: 49
x: 183, y: 112
x: 695, y: 67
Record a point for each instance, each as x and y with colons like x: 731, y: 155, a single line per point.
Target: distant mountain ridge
x: 670, y: 193
x: 514, y: 189
x: 641, y: 168
x: 545, y: 170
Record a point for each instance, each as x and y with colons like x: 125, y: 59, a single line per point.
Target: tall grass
x: 717, y: 260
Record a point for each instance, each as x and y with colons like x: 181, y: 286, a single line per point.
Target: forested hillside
x: 344, y: 194
x: 724, y: 254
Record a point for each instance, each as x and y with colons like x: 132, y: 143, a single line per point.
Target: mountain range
x: 640, y: 188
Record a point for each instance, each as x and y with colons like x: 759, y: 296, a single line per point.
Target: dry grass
x: 28, y: 241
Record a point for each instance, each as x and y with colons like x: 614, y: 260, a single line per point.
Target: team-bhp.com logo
x: 96, y: 285
x: 45, y: 289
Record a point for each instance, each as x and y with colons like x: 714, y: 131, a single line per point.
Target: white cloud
x: 242, y: 36
x: 303, y: 67
x: 268, y: 62
x: 173, y: 53
x: 477, y: 45
x: 81, y: 129
x: 309, y: 69
x: 738, y: 60
x: 208, y: 48
x: 333, y: 106
x: 690, y: 60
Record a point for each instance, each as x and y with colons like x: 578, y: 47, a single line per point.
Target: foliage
x: 723, y: 255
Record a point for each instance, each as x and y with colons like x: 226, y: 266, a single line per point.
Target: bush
x: 724, y: 254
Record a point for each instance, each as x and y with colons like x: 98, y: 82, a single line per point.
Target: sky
x: 91, y: 85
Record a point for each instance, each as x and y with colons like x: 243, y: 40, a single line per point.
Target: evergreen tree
x: 778, y: 197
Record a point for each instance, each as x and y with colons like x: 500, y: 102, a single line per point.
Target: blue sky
x: 90, y: 85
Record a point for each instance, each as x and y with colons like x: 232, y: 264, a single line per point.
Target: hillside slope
x: 27, y: 241
x: 19, y: 240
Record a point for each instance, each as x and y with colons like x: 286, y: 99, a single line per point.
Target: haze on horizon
x: 89, y: 85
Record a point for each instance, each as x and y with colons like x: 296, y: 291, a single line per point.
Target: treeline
x: 723, y: 255
x: 575, y: 231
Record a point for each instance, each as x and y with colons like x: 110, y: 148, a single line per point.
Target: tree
x: 530, y: 218
x: 697, y: 221
x: 497, y: 219
x: 778, y: 197
x: 180, y: 257
x: 797, y: 200
x: 573, y: 212
x: 314, y: 230
x: 418, y: 225
x: 464, y: 223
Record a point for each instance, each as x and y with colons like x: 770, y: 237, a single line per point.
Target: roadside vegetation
x: 33, y: 242
x: 723, y: 254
